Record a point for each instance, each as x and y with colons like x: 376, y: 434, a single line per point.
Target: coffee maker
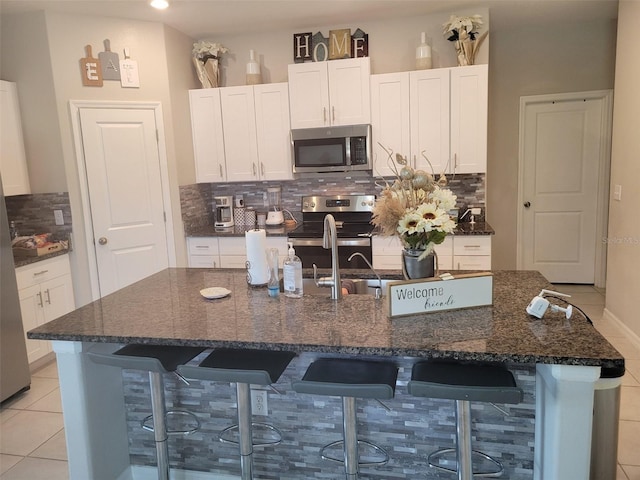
x: 223, y: 211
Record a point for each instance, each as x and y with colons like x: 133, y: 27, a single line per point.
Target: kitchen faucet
x: 330, y: 240
x: 379, y: 289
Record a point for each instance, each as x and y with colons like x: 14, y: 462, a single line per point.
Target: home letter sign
x: 339, y: 44
x: 302, y: 47
x: 435, y: 294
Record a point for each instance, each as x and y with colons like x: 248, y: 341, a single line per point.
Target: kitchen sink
x: 355, y: 286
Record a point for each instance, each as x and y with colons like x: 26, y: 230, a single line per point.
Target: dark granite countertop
x: 463, y: 228
x: 168, y: 309
x: 21, y: 261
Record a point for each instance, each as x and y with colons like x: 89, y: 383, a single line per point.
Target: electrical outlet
x: 265, y: 199
x: 259, y: 402
x: 57, y: 214
x: 476, y: 211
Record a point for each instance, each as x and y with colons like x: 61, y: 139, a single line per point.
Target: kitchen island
x: 557, y: 360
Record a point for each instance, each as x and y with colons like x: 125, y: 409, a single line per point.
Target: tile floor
x: 32, y: 445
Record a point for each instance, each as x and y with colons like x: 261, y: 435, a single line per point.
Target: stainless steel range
x: 353, y: 219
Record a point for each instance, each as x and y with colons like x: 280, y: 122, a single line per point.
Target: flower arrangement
x: 205, y: 58
x: 415, y: 207
x: 463, y: 31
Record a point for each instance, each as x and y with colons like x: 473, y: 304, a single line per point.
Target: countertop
x: 168, y: 309
x: 463, y: 228
x: 21, y: 261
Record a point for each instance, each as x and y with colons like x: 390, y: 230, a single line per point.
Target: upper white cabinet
x: 439, y: 113
x: 330, y: 93
x: 469, y: 111
x: 206, y: 129
x: 241, y: 133
x: 390, y: 125
x: 13, y: 161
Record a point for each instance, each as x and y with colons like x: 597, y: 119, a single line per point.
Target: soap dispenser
x: 292, y: 273
x: 254, y: 77
x: 423, y: 54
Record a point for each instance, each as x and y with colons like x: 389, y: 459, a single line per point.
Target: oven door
x: 310, y: 251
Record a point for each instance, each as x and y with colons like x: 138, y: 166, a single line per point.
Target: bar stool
x: 157, y: 360
x: 350, y: 379
x: 464, y: 383
x: 242, y: 367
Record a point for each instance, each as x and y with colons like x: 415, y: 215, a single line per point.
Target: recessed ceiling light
x: 159, y: 4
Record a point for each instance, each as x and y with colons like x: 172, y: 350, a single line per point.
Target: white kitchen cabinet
x: 390, y: 125
x: 45, y: 290
x: 387, y: 253
x: 241, y: 133
x: 13, y: 160
x: 203, y: 252
x: 330, y: 93
x: 469, y: 113
x: 472, y: 252
x: 207, y: 133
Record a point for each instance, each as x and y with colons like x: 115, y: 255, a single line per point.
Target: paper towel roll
x: 257, y: 267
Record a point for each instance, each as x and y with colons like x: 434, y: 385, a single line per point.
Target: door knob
x: 527, y: 204
x: 102, y: 240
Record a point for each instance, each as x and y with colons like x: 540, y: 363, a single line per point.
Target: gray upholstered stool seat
x: 464, y: 383
x: 350, y: 379
x: 157, y: 360
x: 242, y: 367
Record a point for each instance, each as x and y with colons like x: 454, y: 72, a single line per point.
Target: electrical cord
x: 574, y: 306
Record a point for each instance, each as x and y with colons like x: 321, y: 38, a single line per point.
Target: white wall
x: 623, y: 272
x: 534, y: 61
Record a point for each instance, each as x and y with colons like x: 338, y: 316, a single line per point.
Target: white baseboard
x: 628, y: 333
x: 139, y: 472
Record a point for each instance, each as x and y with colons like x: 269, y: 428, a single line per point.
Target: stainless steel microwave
x: 331, y: 149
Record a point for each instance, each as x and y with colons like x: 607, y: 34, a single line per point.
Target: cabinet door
x: 469, y: 93
x: 206, y: 129
x: 309, y: 95
x: 57, y: 297
x: 240, y: 144
x: 389, y: 119
x: 349, y: 91
x: 429, y: 94
x: 13, y: 161
x: 273, y: 131
x: 31, y: 306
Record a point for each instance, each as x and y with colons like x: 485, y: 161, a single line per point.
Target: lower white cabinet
x: 226, y: 252
x: 45, y: 289
x: 457, y: 252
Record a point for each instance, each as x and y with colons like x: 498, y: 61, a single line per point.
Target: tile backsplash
x: 33, y: 213
x: 197, y: 199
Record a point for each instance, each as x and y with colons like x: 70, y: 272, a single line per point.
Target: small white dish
x: 214, y: 292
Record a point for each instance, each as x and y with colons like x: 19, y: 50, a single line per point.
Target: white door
x: 125, y: 191
x: 562, y: 146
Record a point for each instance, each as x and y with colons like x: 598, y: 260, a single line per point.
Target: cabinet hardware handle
x: 324, y: 114
x: 455, y: 160
x: 333, y: 114
x: 262, y: 168
x: 255, y: 173
x: 46, y: 292
x: 39, y: 299
x: 221, y: 174
x: 202, y: 246
x: 472, y: 246
x: 40, y: 273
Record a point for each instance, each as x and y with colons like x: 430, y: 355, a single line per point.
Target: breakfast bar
x: 556, y: 361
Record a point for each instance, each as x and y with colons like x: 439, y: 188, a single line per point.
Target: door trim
x: 604, y: 168
x: 75, y: 106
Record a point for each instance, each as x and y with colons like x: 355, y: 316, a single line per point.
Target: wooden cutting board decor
x: 110, y: 62
x: 91, y: 70
x: 129, y: 72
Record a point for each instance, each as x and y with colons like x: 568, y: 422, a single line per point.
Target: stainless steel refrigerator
x: 14, y: 366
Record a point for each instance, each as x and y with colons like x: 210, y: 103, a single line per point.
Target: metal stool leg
x: 243, y: 394
x: 158, y: 410
x: 463, y: 441
x: 349, y: 428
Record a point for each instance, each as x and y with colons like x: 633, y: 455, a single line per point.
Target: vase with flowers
x: 415, y: 208
x: 463, y: 32
x: 206, y: 56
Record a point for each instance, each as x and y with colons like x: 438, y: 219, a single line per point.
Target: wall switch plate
x: 259, y: 404
x: 57, y: 214
x: 617, y: 192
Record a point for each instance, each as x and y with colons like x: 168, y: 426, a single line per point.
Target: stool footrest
x: 373, y: 446
x: 434, y: 457
x: 222, y: 436
x: 147, y: 423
